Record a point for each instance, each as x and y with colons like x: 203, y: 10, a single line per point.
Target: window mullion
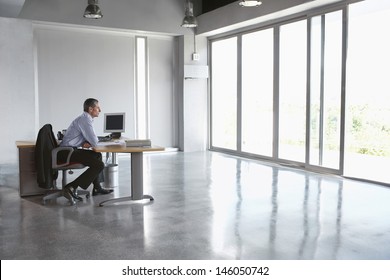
x: 239, y: 93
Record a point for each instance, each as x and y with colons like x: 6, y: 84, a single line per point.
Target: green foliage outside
x: 368, y: 130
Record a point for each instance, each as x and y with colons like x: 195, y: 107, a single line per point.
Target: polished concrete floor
x: 207, y: 206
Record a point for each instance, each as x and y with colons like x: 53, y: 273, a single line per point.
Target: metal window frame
x: 275, y: 150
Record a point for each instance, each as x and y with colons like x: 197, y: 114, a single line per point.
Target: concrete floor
x: 207, y: 206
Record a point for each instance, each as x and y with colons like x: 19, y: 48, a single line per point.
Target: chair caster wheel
x: 88, y: 196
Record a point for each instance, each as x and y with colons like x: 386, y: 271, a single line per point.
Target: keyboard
x: 104, y: 138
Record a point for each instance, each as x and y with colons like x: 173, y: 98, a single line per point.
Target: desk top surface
x: 105, y: 148
x: 115, y: 148
x: 25, y: 144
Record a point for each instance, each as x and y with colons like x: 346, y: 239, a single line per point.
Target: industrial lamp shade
x: 189, y: 20
x: 249, y: 3
x: 93, y: 11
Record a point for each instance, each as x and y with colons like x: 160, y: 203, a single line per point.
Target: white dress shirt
x: 80, y: 131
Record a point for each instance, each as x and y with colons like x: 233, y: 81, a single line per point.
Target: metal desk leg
x: 113, y: 157
x: 137, y: 182
x: 113, y: 161
x: 137, y: 178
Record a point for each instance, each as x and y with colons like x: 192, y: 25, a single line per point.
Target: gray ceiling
x: 10, y: 8
x: 162, y: 16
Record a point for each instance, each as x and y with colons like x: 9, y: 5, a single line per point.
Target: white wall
x: 47, y: 71
x: 77, y: 63
x: 195, y: 98
x: 163, y: 97
x: 17, y: 100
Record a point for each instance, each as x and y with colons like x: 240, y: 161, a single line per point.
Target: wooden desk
x: 28, y: 184
x: 137, y: 184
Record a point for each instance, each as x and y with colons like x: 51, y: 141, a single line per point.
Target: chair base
x: 54, y: 194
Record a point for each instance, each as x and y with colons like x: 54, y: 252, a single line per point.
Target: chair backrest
x: 45, y: 143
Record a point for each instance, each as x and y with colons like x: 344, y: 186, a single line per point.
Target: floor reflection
x: 207, y: 206
x: 237, y: 220
x: 305, y: 219
x: 274, y: 213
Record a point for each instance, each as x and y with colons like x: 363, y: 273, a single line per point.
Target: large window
x: 325, y: 99
x: 367, y: 153
x: 257, y: 92
x: 312, y: 92
x: 141, y: 92
x: 292, y: 93
x: 224, y: 93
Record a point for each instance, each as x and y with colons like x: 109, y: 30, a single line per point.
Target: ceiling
x: 209, y: 5
x: 214, y: 16
x: 10, y: 8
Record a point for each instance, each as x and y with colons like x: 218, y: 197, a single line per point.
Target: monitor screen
x: 114, y: 122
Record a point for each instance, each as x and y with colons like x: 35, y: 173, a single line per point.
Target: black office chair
x: 47, y: 164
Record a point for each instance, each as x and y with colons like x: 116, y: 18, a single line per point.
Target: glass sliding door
x: 323, y: 103
x: 367, y: 147
x: 332, y: 89
x: 224, y: 94
x: 325, y: 90
x: 292, y: 91
x: 257, y: 92
x: 316, y: 91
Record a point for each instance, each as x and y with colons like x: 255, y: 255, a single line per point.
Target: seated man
x: 81, y: 136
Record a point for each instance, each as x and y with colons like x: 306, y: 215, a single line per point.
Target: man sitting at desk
x: 81, y: 136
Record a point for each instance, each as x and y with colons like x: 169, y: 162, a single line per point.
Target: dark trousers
x: 94, y: 173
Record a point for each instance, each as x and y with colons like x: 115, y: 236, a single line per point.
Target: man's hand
x: 86, y: 145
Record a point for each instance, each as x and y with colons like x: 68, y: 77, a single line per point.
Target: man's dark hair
x: 90, y: 102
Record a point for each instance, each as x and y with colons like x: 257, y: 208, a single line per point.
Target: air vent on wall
x: 196, y: 72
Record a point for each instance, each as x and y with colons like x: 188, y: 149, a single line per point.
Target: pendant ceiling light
x: 93, y: 11
x: 249, y: 3
x: 189, y: 20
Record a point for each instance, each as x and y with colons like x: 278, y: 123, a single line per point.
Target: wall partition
x: 287, y: 92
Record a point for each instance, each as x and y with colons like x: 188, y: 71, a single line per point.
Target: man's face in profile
x: 94, y: 111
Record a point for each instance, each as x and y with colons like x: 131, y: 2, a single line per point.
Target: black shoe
x: 68, y: 194
x: 100, y: 190
x: 69, y: 190
x: 76, y: 196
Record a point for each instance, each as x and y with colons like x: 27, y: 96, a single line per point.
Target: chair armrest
x: 54, y: 154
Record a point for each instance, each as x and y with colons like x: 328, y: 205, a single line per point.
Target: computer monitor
x: 114, y: 123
